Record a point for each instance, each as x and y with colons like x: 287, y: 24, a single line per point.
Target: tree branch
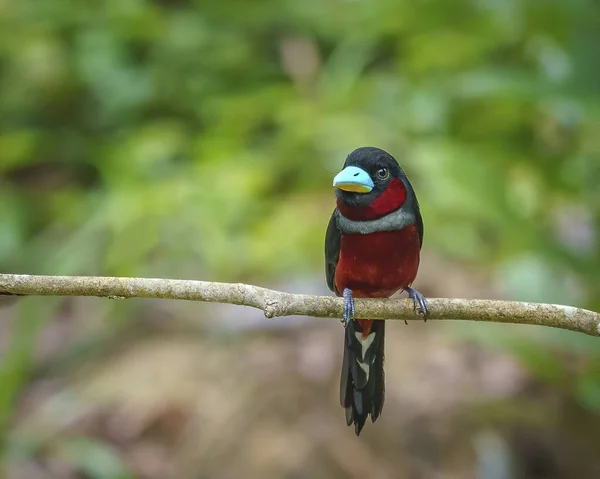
x: 277, y: 303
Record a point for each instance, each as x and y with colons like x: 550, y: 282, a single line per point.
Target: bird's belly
x: 378, y: 264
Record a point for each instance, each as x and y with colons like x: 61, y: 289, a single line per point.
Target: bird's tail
x: 362, y: 389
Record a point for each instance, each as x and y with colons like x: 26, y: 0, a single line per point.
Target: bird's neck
x: 390, y: 200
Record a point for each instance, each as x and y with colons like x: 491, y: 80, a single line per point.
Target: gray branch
x: 277, y: 303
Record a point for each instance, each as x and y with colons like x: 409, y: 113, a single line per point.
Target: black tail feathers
x: 362, y: 389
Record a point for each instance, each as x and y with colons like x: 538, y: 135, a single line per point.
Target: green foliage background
x: 197, y: 139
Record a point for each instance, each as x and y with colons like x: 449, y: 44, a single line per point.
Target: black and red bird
x: 372, y: 250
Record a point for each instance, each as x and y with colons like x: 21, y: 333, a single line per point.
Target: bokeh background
x: 195, y: 139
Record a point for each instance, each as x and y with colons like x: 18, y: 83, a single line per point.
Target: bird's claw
x: 348, y: 306
x: 419, y: 301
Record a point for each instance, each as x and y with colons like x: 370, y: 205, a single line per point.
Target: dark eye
x: 383, y: 173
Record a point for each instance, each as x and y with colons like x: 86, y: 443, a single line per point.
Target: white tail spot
x: 365, y: 343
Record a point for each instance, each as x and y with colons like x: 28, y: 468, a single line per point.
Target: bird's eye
x: 383, y: 173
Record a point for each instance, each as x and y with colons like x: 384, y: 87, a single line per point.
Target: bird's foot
x: 348, y: 306
x: 420, y: 303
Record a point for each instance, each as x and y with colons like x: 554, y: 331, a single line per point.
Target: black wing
x: 417, y: 209
x: 419, y: 220
x: 333, y: 239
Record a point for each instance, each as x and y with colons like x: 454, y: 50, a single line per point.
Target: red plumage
x: 390, y: 200
x: 378, y: 264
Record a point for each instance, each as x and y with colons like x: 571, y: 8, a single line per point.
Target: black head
x: 367, y: 173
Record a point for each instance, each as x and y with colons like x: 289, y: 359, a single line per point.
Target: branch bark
x: 277, y: 303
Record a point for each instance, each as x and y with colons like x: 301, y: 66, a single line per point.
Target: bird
x: 372, y: 250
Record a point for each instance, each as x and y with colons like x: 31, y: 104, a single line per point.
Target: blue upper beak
x: 353, y: 179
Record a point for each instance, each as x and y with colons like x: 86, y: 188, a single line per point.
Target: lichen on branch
x: 277, y: 303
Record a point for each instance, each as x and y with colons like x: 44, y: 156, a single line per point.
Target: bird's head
x: 371, y: 175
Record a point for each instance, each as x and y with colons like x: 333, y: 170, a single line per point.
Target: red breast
x: 379, y: 264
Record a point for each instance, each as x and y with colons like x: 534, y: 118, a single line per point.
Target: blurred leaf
x: 588, y: 392
x: 94, y: 458
x: 16, y: 366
